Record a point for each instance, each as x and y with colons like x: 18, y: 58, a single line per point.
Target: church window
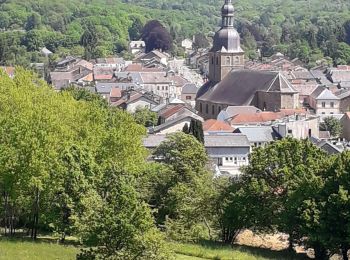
x: 237, y: 60
x: 200, y: 107
x: 217, y: 60
x: 228, y: 60
x: 212, y: 60
x: 207, y: 108
x: 213, y: 109
x: 219, y: 110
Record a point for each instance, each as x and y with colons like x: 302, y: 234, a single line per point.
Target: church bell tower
x: 226, y: 53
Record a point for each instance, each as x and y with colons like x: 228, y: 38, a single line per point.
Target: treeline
x: 310, y: 30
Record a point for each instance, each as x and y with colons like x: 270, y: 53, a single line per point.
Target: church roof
x: 238, y: 88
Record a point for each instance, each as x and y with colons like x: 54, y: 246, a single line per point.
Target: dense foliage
x: 72, y: 168
x: 310, y: 30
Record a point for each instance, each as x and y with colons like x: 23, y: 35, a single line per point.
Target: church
x: 230, y: 84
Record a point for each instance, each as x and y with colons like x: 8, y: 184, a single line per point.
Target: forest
x: 310, y: 30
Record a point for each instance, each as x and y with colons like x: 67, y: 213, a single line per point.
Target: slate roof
x: 189, y: 88
x: 322, y: 93
x: 259, y: 133
x: 152, y: 141
x: 238, y: 88
x: 231, y: 111
x: 227, y: 140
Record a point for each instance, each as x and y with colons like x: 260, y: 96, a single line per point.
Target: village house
x: 324, y: 102
x: 227, y: 152
x: 71, y: 70
x: 117, y: 64
x: 187, y: 44
x: 131, y: 100
x: 137, y: 47
x: 188, y: 93
x: 176, y: 124
x: 154, y: 58
x: 259, y: 135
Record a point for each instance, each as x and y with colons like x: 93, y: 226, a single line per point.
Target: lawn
x: 217, y: 251
x: 20, y: 249
x: 27, y: 250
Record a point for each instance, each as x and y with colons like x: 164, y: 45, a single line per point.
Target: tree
x: 33, y: 22
x: 135, y: 29
x: 89, y: 40
x: 332, y: 125
x: 196, y: 129
x: 183, y: 192
x: 284, y: 177
x: 156, y: 37
x: 144, y: 116
x: 185, y: 129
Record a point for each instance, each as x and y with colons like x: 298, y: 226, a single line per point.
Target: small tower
x: 226, y: 53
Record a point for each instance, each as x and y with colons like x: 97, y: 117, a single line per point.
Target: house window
x: 290, y: 131
x: 158, y: 88
x: 323, y: 113
x: 226, y: 158
x: 332, y: 104
x: 332, y: 113
x: 213, y: 109
x: 207, y: 108
x: 166, y: 88
x: 200, y: 107
x: 323, y: 104
x: 188, y: 97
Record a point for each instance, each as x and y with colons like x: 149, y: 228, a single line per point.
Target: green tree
x: 196, y: 129
x: 332, y: 125
x: 144, y: 116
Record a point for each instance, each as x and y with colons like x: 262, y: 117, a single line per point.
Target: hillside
x: 309, y: 30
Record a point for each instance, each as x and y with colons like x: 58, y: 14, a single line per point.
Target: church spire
x: 227, y: 13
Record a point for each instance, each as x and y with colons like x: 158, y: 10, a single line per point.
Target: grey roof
x: 323, y: 93
x: 232, y: 111
x: 238, y: 88
x: 210, y: 141
x: 153, y: 141
x: 258, y: 133
x: 227, y: 40
x: 189, y: 88
x: 227, y: 140
x: 175, y: 121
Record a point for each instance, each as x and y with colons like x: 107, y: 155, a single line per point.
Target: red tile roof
x: 137, y: 67
x: 116, y: 92
x: 216, y: 125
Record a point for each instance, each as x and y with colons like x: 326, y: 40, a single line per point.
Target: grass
x: 19, y: 249
x: 48, y: 249
x: 217, y: 251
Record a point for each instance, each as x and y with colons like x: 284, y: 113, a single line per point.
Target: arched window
x: 228, y: 60
x: 237, y: 60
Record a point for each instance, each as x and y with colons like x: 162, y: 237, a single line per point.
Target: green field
x: 26, y: 250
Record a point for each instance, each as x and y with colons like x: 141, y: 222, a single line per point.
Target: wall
x: 345, y: 121
x: 344, y: 105
x: 327, y: 110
